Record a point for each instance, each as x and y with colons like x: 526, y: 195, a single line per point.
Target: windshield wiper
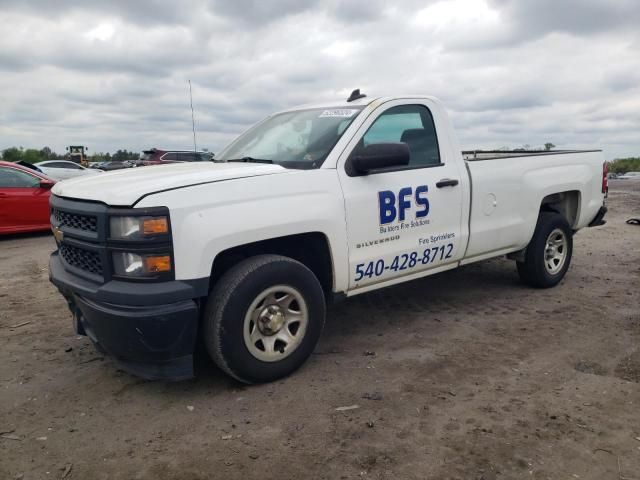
x: 250, y: 160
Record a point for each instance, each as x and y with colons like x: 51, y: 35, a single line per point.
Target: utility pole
x: 193, y: 122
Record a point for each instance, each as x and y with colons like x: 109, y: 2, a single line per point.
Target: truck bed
x: 506, y: 194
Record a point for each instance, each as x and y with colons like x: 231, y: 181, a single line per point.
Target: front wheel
x: 548, y: 254
x: 264, y: 318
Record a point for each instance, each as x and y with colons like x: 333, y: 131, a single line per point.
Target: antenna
x: 193, y: 122
x: 355, y: 95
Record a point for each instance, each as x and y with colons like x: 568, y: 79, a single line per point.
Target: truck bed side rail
x: 474, y: 155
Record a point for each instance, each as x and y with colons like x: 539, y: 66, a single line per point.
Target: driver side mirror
x: 377, y: 156
x: 46, y: 184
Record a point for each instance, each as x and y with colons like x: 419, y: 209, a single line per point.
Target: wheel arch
x: 312, y: 249
x: 565, y: 203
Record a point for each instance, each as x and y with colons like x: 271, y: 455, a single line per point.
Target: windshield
x: 298, y: 139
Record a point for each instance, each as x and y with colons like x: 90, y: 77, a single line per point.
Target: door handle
x: 447, y: 182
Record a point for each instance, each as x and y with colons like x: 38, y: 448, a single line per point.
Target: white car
x: 316, y: 203
x: 629, y: 176
x: 64, y: 169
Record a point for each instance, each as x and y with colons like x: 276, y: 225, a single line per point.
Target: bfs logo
x: 394, y: 207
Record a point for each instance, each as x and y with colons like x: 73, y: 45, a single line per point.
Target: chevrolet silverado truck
x: 310, y: 205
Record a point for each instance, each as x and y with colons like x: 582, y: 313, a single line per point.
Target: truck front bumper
x: 150, y: 329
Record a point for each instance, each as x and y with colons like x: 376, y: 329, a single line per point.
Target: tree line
x: 624, y: 165
x: 33, y: 155
x: 119, y: 156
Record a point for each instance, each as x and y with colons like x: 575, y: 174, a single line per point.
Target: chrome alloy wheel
x: 275, y: 323
x: 555, y: 252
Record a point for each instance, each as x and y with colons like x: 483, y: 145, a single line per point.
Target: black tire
x: 533, y: 271
x: 229, y: 302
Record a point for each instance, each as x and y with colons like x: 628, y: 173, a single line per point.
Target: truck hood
x: 126, y: 187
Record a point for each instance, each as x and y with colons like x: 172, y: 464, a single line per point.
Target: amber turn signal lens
x: 155, y: 226
x: 155, y: 264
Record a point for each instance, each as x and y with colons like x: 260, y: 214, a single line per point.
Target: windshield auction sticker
x: 338, y: 112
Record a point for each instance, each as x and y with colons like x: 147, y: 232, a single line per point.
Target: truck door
x: 407, y: 220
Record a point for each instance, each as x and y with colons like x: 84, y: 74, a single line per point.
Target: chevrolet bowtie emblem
x: 58, y: 234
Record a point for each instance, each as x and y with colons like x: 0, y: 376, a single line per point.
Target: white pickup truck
x: 313, y: 203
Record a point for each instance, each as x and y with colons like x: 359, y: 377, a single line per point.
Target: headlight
x: 139, y: 265
x: 138, y: 228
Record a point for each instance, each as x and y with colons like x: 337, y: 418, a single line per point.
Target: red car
x: 24, y: 199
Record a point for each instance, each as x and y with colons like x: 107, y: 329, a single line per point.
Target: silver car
x: 629, y: 176
x: 63, y: 169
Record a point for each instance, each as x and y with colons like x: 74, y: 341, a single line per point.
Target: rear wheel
x: 264, y: 318
x: 549, y: 253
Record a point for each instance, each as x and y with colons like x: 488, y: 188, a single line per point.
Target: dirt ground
x: 464, y: 375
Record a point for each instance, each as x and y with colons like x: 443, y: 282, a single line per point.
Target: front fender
x: 208, y: 219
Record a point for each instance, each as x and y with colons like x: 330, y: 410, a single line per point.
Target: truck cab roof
x: 361, y: 102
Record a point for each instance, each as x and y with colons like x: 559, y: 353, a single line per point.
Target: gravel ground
x: 464, y: 375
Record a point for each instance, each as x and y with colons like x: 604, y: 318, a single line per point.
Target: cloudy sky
x: 113, y: 74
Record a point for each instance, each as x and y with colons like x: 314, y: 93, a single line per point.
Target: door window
x: 410, y: 124
x: 68, y: 165
x: 12, y: 178
x: 170, y: 156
